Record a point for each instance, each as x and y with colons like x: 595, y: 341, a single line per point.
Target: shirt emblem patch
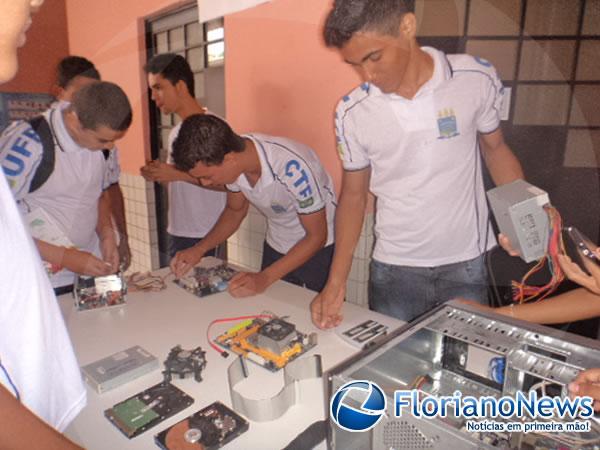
x: 306, y: 203
x: 447, y: 124
x: 277, y: 209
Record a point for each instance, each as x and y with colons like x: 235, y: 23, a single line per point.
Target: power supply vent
x: 399, y: 434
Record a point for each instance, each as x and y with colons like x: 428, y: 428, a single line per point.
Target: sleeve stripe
x: 342, y: 124
x: 491, y: 131
x: 311, y: 212
x: 358, y: 169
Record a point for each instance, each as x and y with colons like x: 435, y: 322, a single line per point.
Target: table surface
x: 158, y: 321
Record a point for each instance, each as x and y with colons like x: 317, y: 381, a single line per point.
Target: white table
x: 162, y: 320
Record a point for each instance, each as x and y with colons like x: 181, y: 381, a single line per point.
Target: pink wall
x: 280, y: 77
x: 111, y: 34
x: 46, y: 45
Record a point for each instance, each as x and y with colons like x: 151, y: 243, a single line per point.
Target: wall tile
x: 440, y: 17
x: 588, y: 64
x: 583, y: 149
x: 244, y: 235
x: 585, y: 109
x: 547, y: 60
x: 360, y: 250
x: 368, y: 223
x: 551, y: 17
x: 232, y: 252
x: 494, y: 18
x: 502, y: 54
x: 256, y: 241
x: 591, y: 18
x: 541, y: 105
x: 351, y: 291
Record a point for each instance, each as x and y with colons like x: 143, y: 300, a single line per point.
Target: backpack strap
x: 40, y: 125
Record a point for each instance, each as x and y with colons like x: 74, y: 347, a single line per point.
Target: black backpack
x: 40, y: 125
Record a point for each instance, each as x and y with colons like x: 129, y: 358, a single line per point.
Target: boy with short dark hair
x: 283, y: 179
x: 412, y: 134
x: 193, y: 209
x: 73, y: 194
x: 73, y: 73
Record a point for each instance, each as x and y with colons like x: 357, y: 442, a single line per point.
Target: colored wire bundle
x: 146, y: 281
x: 522, y: 292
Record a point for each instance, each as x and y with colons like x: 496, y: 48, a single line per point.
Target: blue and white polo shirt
x: 424, y: 158
x: 292, y: 182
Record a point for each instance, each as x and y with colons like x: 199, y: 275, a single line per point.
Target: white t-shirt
x: 70, y: 195
x: 292, y: 182
x: 193, y: 210
x: 35, y: 348
x: 425, y: 162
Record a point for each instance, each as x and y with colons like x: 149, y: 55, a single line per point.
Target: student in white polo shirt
x: 283, y: 179
x: 412, y: 134
x: 73, y: 73
x: 193, y: 209
x: 73, y: 195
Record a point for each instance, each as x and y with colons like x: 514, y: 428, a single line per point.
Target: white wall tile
x: 256, y: 241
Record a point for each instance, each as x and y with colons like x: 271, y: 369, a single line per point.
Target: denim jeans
x: 311, y: 275
x: 406, y: 292
x: 178, y: 243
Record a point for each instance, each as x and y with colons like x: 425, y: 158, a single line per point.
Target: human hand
x: 184, y: 260
x: 587, y: 384
x: 507, y: 245
x: 84, y: 263
x: 575, y: 273
x: 326, y: 307
x: 160, y: 172
x: 245, y: 284
x: 124, y: 253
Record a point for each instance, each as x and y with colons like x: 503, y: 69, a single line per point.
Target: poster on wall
x: 211, y: 9
x: 21, y: 106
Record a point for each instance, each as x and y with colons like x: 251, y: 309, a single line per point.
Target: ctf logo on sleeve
x: 372, y: 405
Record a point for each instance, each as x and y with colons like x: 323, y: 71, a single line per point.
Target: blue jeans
x: 406, y: 292
x: 311, y: 275
x: 178, y: 243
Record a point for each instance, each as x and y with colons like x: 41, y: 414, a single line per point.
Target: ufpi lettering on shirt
x: 14, y: 163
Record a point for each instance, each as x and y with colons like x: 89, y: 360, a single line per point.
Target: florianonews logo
x: 371, y: 401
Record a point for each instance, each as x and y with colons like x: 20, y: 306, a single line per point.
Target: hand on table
x: 184, y: 260
x: 84, y: 263
x: 326, y: 307
x: 245, y: 284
